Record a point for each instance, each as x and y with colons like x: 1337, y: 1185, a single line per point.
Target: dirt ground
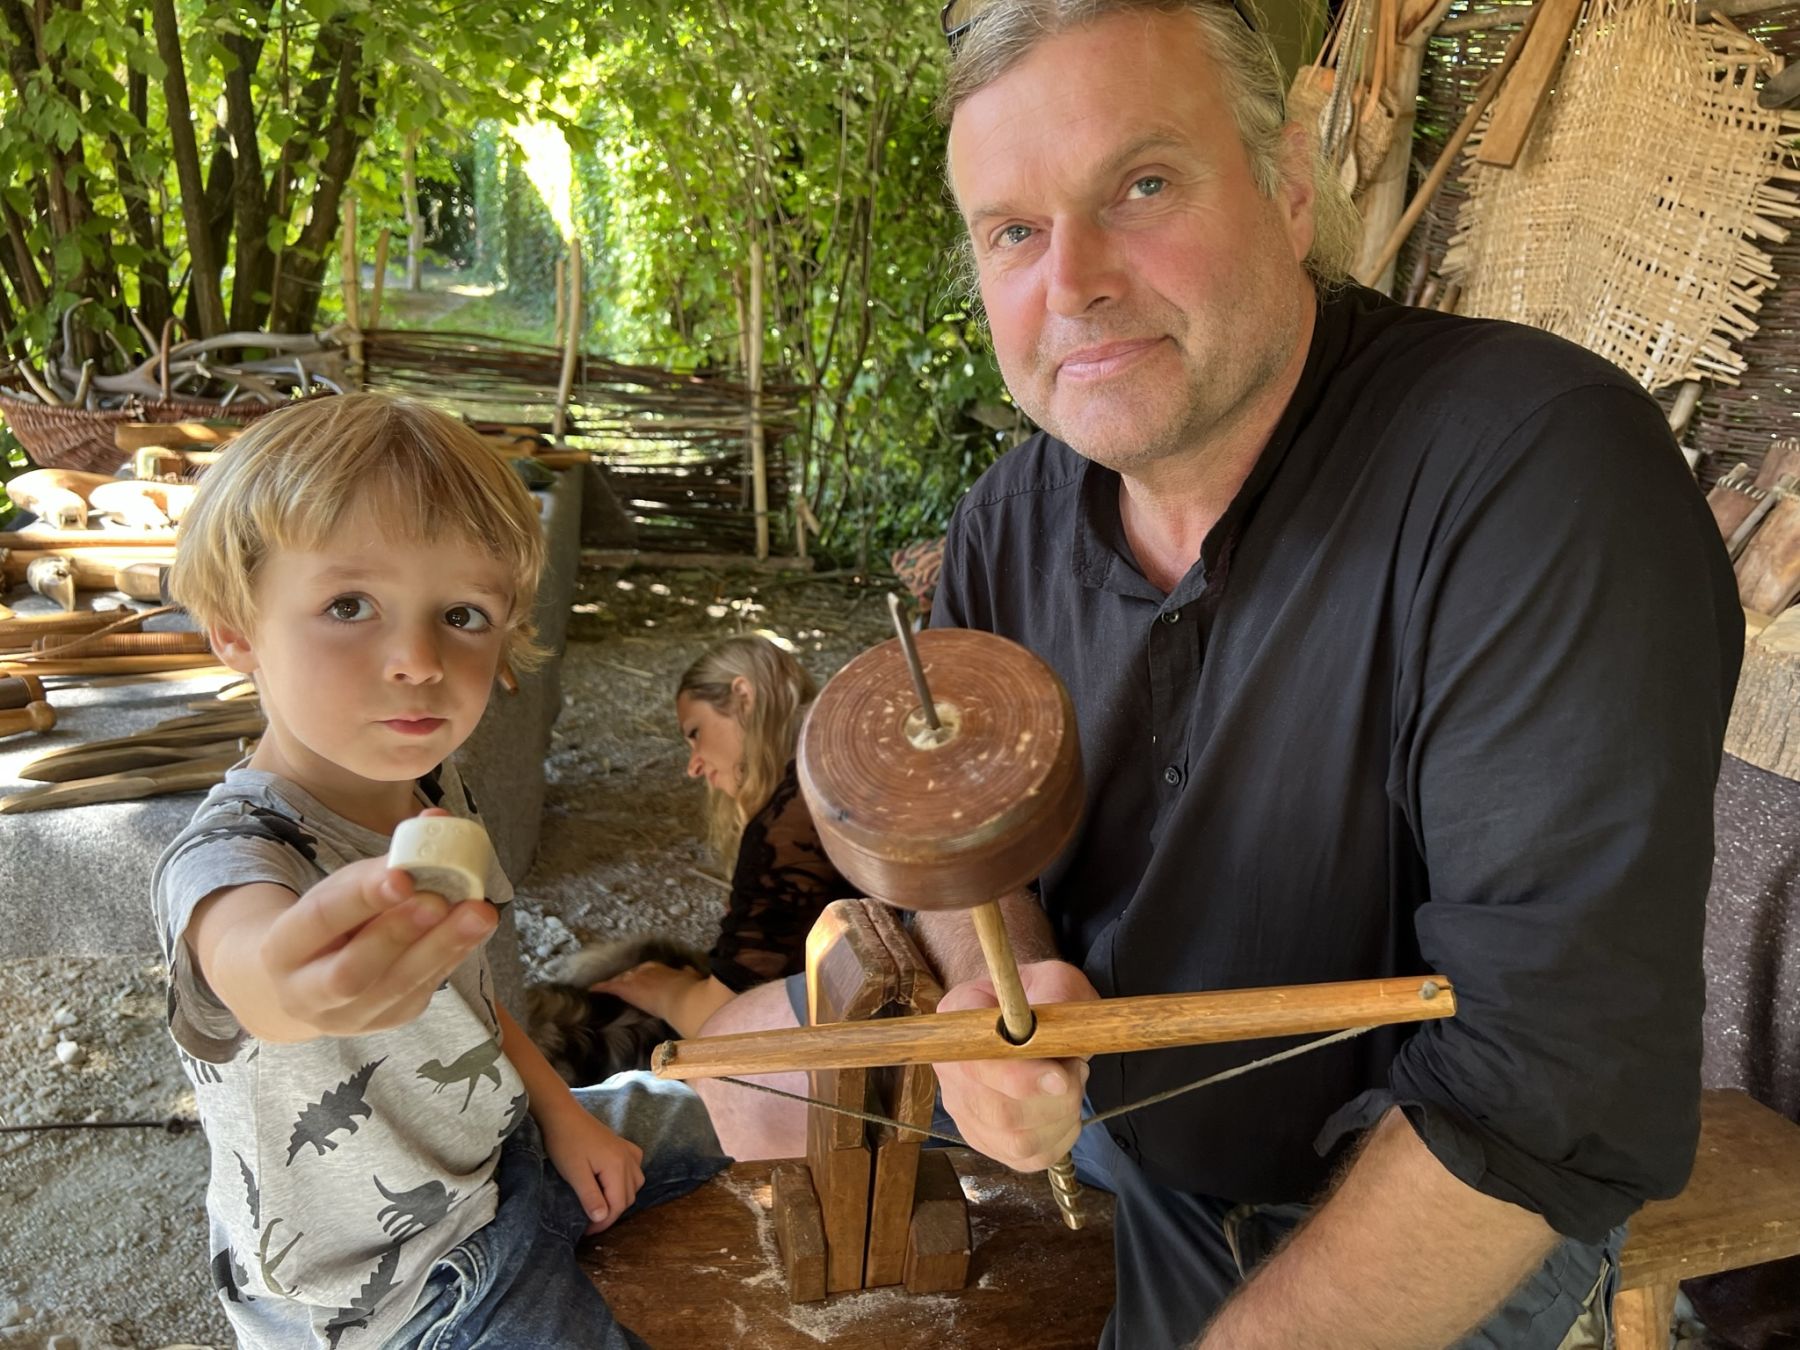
x: 102, y: 1231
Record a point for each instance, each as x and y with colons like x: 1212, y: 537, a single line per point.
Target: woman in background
x: 740, y: 707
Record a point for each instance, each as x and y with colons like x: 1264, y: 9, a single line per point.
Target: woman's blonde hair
x: 781, y: 690
x: 289, y: 481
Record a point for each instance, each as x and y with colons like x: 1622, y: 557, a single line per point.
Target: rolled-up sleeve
x: 1568, y: 666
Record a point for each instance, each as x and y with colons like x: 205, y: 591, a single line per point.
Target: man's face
x: 374, y: 655
x: 1141, y: 290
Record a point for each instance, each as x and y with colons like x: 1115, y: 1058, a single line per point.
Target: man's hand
x: 362, y: 952
x: 604, y: 1169
x: 1022, y: 1112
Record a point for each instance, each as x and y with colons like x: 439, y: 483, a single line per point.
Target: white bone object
x: 446, y: 855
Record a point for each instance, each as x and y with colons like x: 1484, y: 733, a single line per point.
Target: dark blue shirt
x: 1445, y: 691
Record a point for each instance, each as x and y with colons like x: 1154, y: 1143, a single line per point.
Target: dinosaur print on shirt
x: 469, y: 1067
x: 413, y: 1211
x: 336, y: 1110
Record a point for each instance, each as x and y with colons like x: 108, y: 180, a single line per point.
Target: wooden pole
x: 1067, y: 1030
x: 381, y: 257
x: 1371, y: 270
x: 415, y: 221
x: 571, y: 341
x: 1020, y: 1022
x: 753, y: 346
x: 352, y: 289
x: 556, y: 332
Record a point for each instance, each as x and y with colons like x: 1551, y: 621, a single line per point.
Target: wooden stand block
x: 938, y: 1247
x: 863, y: 965
x: 799, y: 1231
x: 1765, y: 717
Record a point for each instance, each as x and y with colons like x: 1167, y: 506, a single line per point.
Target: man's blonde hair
x: 1004, y: 32
x: 289, y: 481
x: 781, y: 689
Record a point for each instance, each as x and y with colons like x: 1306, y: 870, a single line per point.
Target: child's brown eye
x: 348, y: 608
x: 467, y: 618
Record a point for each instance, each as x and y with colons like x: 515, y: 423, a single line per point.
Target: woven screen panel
x: 1630, y: 223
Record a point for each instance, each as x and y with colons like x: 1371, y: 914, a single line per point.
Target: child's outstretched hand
x: 361, y: 951
x: 604, y: 1169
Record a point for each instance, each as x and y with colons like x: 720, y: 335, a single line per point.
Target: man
x: 1398, y: 643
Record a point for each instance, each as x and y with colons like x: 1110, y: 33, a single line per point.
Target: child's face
x: 375, y: 654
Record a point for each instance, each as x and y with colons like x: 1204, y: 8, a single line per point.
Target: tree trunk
x: 204, y: 286
x: 249, y: 202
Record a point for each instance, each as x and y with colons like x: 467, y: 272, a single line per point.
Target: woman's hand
x: 653, y: 987
x: 683, y: 998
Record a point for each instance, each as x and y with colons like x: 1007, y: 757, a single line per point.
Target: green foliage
x: 798, y: 133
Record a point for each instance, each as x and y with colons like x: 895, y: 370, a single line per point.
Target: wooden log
x: 58, y: 541
x: 799, y: 1231
x: 27, y: 628
x: 1066, y: 1030
x: 1768, y: 571
x: 1765, y: 717
x: 133, y: 436
x: 127, y: 644
x: 938, y: 1244
x: 113, y: 665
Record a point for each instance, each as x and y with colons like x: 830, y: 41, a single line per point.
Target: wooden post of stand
x: 352, y: 290
x: 753, y: 347
x: 859, y: 1207
x: 571, y: 342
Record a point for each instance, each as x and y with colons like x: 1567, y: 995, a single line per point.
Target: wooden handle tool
x: 39, y: 716
x: 16, y: 691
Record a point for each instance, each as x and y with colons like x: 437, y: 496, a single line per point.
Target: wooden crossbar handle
x: 1066, y: 1030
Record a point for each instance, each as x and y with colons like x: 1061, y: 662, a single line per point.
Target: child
x: 740, y: 707
x: 393, y: 1163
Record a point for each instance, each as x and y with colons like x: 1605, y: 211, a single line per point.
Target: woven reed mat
x: 1627, y: 223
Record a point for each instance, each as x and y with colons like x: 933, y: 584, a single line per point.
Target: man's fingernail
x: 1052, y: 1081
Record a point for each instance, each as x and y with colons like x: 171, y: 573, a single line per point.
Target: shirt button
x: 1118, y: 1137
x: 1172, y: 776
x: 1173, y: 616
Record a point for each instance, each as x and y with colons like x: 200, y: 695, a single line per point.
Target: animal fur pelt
x: 588, y: 1037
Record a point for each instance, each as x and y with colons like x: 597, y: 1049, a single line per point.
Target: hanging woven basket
x: 82, y: 438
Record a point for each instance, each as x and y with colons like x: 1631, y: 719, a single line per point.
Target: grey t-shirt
x: 342, y: 1167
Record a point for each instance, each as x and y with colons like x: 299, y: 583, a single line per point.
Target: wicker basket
x: 80, y: 438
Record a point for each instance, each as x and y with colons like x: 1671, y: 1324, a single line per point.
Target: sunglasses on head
x: 956, y: 16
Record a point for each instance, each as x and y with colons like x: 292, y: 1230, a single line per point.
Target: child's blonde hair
x: 288, y: 481
x: 782, y: 690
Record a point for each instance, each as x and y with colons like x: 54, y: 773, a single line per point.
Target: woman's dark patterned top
x: 781, y: 883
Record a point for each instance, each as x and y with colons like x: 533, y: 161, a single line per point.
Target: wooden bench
x: 707, y: 1266
x: 1741, y: 1207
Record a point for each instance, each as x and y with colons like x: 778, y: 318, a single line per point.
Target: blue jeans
x: 515, y: 1284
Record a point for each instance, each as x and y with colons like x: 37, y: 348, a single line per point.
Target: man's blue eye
x: 1015, y: 234
x: 1149, y: 185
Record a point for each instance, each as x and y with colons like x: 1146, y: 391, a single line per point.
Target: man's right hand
x: 361, y: 951
x: 1025, y: 1113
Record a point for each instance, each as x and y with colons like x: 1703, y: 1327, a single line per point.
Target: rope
x: 1292, y: 1052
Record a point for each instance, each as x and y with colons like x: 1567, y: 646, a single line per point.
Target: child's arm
x: 604, y: 1169
x: 685, y: 999
x: 358, y: 952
